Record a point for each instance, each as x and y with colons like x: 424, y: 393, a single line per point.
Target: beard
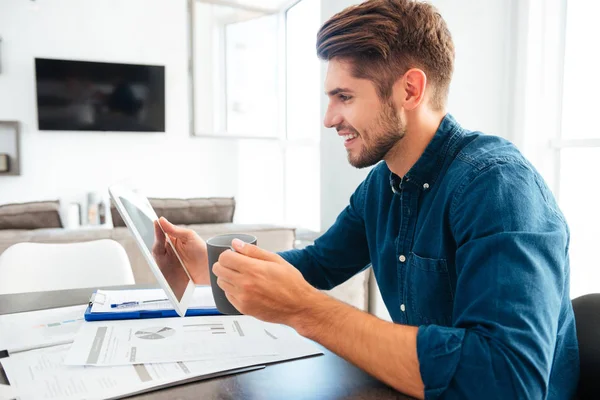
x: 378, y: 141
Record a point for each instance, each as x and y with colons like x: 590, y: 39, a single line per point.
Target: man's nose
x: 332, y: 119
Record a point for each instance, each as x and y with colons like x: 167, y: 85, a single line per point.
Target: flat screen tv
x: 97, y: 96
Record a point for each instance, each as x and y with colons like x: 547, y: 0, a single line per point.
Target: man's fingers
x: 176, y: 231
x: 159, y: 243
x: 253, y: 251
x: 221, y: 271
x: 233, y: 300
x: 227, y: 287
x: 232, y: 260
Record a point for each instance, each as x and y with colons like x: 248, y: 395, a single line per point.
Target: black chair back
x: 587, y: 320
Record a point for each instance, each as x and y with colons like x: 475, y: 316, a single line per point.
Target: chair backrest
x: 587, y: 319
x: 33, y: 267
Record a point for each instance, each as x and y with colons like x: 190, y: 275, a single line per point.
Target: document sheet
x: 42, y: 373
x: 34, y: 329
x: 105, y: 343
x: 8, y: 392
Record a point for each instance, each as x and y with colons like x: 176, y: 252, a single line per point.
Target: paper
x: 42, y: 373
x: 202, y: 298
x: 168, y: 340
x: 30, y: 330
x: 8, y: 392
x: 287, y: 343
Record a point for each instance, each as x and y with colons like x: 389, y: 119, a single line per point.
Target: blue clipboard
x: 107, y: 316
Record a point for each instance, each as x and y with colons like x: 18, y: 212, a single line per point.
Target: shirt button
x: 426, y: 186
x: 402, y: 307
x: 402, y: 258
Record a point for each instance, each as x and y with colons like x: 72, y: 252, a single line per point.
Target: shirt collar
x: 426, y: 170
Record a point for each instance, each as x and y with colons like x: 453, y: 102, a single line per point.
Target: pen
x: 135, y: 303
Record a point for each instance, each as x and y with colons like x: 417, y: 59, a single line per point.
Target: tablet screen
x: 143, y: 217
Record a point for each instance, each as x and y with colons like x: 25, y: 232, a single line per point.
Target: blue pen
x: 135, y: 303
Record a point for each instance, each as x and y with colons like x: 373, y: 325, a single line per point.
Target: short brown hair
x: 385, y: 38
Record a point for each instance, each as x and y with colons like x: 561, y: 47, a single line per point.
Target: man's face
x: 369, y: 127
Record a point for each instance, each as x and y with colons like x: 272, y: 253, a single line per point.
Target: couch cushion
x: 270, y: 237
x: 208, y: 210
x: 32, y: 215
x: 15, y: 235
x: 82, y: 234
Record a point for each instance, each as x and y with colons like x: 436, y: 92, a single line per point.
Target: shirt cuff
x: 439, y: 352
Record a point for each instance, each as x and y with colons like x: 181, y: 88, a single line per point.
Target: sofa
x: 41, y: 222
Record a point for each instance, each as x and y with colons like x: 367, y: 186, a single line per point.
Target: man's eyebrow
x: 337, y: 91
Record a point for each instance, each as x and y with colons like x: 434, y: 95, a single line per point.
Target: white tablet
x: 165, y: 263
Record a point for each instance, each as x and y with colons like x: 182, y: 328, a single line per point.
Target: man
x: 468, y: 246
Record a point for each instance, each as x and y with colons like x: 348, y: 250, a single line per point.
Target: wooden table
x: 321, y: 377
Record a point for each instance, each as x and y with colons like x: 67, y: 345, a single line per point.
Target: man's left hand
x: 262, y: 284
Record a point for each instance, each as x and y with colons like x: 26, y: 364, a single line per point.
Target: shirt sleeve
x: 339, y: 253
x: 511, y: 262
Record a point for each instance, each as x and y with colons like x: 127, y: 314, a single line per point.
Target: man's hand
x: 265, y: 286
x: 262, y: 284
x: 190, y: 247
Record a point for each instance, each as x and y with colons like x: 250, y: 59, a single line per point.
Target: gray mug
x: 215, y: 246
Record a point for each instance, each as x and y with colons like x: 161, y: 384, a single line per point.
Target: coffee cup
x: 215, y: 246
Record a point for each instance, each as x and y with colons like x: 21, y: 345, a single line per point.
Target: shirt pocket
x: 430, y: 294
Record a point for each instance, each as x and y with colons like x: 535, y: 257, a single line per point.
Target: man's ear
x: 409, y: 90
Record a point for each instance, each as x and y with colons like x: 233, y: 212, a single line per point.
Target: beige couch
x: 274, y: 238
x: 270, y: 237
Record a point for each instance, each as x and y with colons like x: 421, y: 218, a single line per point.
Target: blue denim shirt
x: 471, y: 247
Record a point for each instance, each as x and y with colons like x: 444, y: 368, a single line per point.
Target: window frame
x: 558, y: 143
x: 282, y: 139
x: 221, y: 131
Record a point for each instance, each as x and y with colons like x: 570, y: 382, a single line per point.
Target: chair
x: 587, y: 319
x: 32, y: 267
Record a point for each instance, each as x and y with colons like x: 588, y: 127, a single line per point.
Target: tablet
x: 165, y: 263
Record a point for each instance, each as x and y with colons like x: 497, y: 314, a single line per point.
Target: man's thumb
x: 251, y: 250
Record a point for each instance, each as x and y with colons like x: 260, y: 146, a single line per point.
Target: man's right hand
x: 188, y: 244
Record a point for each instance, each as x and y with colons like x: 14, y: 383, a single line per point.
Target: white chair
x: 34, y: 267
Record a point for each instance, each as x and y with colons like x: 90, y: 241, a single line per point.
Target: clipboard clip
x: 96, y: 297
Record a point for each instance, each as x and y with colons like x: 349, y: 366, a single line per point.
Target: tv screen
x: 95, y: 96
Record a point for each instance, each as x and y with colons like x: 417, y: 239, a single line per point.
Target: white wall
x: 480, y: 94
x: 482, y: 88
x: 68, y: 164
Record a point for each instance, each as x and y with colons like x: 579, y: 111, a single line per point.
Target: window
x: 256, y: 81
x: 303, y: 117
x: 303, y: 71
x: 579, y: 146
x: 578, y: 198
x: 251, y: 65
x: 581, y: 86
x: 208, y: 66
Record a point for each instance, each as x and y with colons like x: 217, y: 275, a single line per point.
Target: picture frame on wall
x: 4, y: 162
x: 10, y: 141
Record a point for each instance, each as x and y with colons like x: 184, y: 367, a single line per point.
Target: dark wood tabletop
x: 321, y: 377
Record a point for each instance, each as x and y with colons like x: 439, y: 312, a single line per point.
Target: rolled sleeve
x: 439, y: 352
x: 510, y: 259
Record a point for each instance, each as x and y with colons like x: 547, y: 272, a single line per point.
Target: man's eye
x: 344, y: 98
